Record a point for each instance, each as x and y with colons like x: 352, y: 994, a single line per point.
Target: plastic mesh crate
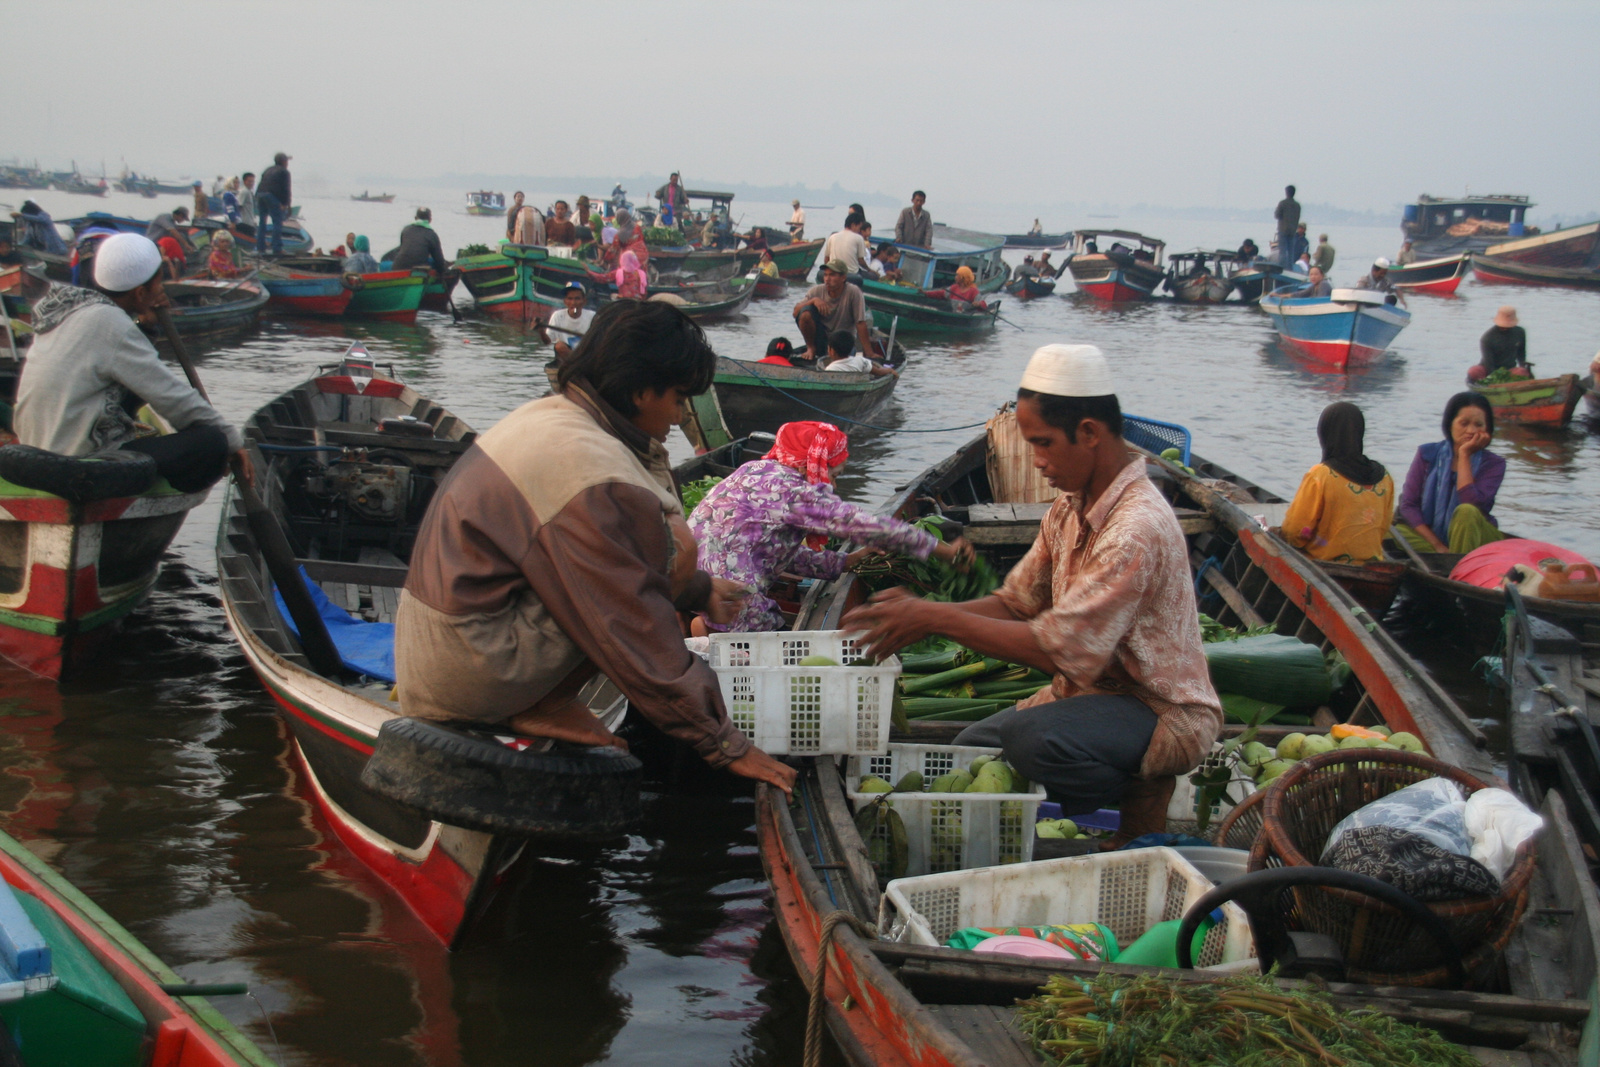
x: 790, y: 710
x: 1183, y: 810
x: 949, y: 831
x: 1127, y: 891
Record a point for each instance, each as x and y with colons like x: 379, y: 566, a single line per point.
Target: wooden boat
x: 1439, y: 276
x: 1446, y: 225
x: 1497, y: 271
x: 347, y: 462
x: 81, y: 186
x: 296, y: 238
x: 794, y: 259
x: 315, y: 293
x: 1572, y: 246
x: 954, y: 248
x: 86, y: 992
x: 215, y: 309
x: 1349, y: 328
x: 437, y: 289
x: 1024, y: 288
x: 769, y: 288
x: 711, y: 300
x: 484, y: 202
x: 1123, y: 272
x: 368, y: 198
x: 909, y: 311
x: 71, y: 569
x: 1034, y: 241
x: 889, y: 1004
x: 760, y: 397
x: 1533, y: 401
x: 390, y: 295
x: 1253, y: 280
x: 1483, y: 607
x: 502, y: 286
x: 1200, y: 277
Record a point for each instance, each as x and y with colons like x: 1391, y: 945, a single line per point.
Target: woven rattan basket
x: 1242, y: 825
x: 1380, y: 947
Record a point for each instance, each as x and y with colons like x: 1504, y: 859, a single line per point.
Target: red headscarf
x: 813, y: 448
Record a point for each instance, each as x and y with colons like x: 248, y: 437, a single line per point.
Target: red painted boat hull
x: 1439, y: 288
x: 318, y: 307
x: 1335, y: 354
x: 519, y: 312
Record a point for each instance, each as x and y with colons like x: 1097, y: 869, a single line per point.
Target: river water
x: 161, y: 783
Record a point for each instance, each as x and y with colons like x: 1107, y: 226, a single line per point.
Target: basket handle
x: 1258, y: 892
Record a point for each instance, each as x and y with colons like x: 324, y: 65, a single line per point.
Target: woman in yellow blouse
x: 1345, y: 504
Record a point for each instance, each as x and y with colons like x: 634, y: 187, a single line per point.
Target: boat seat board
x: 991, y: 1032
x: 24, y: 953
x: 85, y: 1020
x: 1018, y: 524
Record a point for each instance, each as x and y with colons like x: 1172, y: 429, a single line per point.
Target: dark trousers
x: 810, y: 319
x: 190, y: 460
x: 1286, y: 255
x: 269, y: 215
x: 1083, y: 750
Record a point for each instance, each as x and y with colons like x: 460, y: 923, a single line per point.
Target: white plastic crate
x: 790, y: 710
x: 1127, y: 891
x: 949, y: 831
x: 1183, y: 810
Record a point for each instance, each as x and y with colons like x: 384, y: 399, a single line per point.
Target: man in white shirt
x: 841, y: 343
x: 797, y: 224
x: 848, y: 246
x: 571, y: 322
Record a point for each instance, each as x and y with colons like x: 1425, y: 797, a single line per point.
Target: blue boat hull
x: 1338, y: 333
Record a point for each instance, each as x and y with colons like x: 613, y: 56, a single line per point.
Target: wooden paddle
x: 275, y: 549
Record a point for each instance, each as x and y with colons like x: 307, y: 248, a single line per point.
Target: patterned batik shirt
x: 1108, y: 596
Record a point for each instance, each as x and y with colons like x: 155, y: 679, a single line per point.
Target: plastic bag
x: 1498, y: 823
x: 1434, y: 810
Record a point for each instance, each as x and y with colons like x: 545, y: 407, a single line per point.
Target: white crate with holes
x: 790, y: 710
x: 1130, y: 892
x: 949, y: 831
x: 1183, y: 810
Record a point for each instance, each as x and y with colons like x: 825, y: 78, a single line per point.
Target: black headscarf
x: 1341, y: 430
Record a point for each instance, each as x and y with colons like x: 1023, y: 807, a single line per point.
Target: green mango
x: 1353, y: 742
x: 1292, y: 747
x: 1255, y: 753
x: 960, y: 782
x: 1406, y: 742
x: 1271, y: 769
x: 1316, y: 745
x: 942, y: 783
x: 910, y: 782
x: 1173, y: 454
x: 873, y: 784
x: 979, y: 764
x: 1048, y: 829
x: 1384, y: 730
x: 1068, y: 827
x: 819, y: 661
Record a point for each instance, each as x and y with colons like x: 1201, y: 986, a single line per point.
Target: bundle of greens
x: 953, y: 684
x: 1503, y: 376
x: 929, y: 578
x: 1114, y: 1021
x: 664, y: 236
x: 473, y: 250
x: 693, y: 492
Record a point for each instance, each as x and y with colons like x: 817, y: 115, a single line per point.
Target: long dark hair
x: 634, y: 345
x: 1453, y: 408
x: 1342, y: 430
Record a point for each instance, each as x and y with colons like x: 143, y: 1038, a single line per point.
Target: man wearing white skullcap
x: 1103, y: 602
x: 90, y: 366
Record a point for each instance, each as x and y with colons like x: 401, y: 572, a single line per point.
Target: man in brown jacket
x: 557, y: 548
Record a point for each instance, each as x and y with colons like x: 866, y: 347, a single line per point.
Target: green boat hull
x: 923, y: 315
x: 393, y: 296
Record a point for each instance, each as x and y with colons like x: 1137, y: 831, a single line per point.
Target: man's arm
x: 894, y: 619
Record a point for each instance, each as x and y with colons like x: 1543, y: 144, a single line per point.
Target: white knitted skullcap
x: 125, y: 261
x: 1068, y: 370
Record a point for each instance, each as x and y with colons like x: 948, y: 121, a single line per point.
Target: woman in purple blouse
x: 1450, y: 490
x: 774, y: 515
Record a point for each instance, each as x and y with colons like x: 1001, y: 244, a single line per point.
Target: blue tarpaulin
x: 364, y: 647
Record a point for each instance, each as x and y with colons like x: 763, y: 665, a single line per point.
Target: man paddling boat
x: 90, y: 366
x: 558, y: 549
x: 1103, y: 601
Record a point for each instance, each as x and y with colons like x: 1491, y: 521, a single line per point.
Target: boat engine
x: 373, y: 491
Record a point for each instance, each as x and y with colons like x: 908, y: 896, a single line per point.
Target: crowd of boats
x: 348, y: 459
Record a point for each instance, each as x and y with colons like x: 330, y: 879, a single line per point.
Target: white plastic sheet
x: 1498, y: 823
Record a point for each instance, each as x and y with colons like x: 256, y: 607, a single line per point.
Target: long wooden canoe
x: 1533, y: 401
x: 760, y: 397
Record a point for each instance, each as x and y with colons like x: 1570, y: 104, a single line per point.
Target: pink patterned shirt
x: 1110, y: 599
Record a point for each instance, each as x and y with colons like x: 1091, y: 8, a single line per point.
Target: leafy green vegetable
x: 1212, y: 630
x: 663, y: 235
x: 1275, y: 668
x: 929, y: 578
x: 693, y: 492
x: 473, y: 250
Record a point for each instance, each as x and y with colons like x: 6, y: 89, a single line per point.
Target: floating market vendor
x: 1316, y: 285
x: 220, y: 263
x: 1503, y: 346
x: 964, y: 289
x: 775, y: 515
x: 560, y: 232
x: 90, y: 366
x: 36, y: 229
x: 557, y: 549
x: 571, y: 322
x: 512, y: 212
x: 1103, y: 601
x: 797, y: 223
x: 1449, y: 492
x: 631, y: 280
x: 361, y: 260
x: 1344, y: 505
x: 419, y: 245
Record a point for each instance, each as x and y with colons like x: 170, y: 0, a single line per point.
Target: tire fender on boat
x: 80, y: 479
x: 462, y: 775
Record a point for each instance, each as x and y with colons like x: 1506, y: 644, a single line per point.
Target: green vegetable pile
x: 473, y: 250
x: 1242, y: 1021
x: 953, y: 684
x: 662, y: 235
x: 693, y: 492
x: 1501, y: 376
x: 929, y: 578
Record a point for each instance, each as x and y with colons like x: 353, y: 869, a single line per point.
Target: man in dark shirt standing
x: 915, y: 226
x: 511, y: 213
x: 272, y: 204
x: 1288, y: 216
x: 1504, y: 345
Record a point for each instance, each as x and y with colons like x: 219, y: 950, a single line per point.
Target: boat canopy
x: 952, y: 249
x: 720, y: 202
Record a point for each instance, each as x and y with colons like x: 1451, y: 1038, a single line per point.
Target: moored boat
x: 760, y: 397
x: 1482, y: 607
x: 769, y: 288
x: 1439, y: 276
x: 484, y: 202
x: 1254, y: 280
x: 1129, y: 270
x: 890, y: 1002
x: 1446, y: 226
x: 1349, y: 328
x: 368, y: 198
x: 207, y: 309
x: 710, y: 300
x: 437, y: 289
x: 1200, y: 276
x: 1533, y: 401
x: 1498, y: 271
x: 1035, y: 241
x: 390, y: 295
x: 84, y: 991
x: 1571, y: 246
x: 1025, y: 288
x: 794, y: 259
x: 312, y: 294
x: 80, y: 545
x: 502, y: 286
x: 907, y: 310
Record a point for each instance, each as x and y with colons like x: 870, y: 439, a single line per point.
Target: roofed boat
x: 887, y: 1002
x: 1200, y: 276
x: 1130, y: 269
x: 1440, y: 276
x: 1445, y: 225
x: 1350, y: 327
x: 484, y: 202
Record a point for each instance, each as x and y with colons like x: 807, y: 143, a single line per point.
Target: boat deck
x: 375, y: 596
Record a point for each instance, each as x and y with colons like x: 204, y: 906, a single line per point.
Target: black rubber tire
x: 79, y: 479
x: 460, y: 775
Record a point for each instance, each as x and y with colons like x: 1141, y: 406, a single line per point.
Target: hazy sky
x: 1362, y: 105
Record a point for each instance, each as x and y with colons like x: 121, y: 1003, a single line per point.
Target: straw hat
x: 1506, y: 316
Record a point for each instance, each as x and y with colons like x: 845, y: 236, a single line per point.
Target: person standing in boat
x: 914, y: 226
x: 560, y: 232
x: 1448, y: 499
x: 1300, y: 246
x: 557, y: 549
x: 247, y: 203
x: 419, y: 246
x: 528, y: 227
x: 1344, y: 505
x: 847, y: 246
x: 90, y: 366
x: 674, y: 200
x: 202, y: 205
x: 774, y: 516
x: 1104, y: 601
x: 1503, y: 346
x: 797, y: 223
x: 571, y: 322
x: 512, y: 212
x: 1288, y: 215
x: 273, y: 200
x: 833, y: 305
